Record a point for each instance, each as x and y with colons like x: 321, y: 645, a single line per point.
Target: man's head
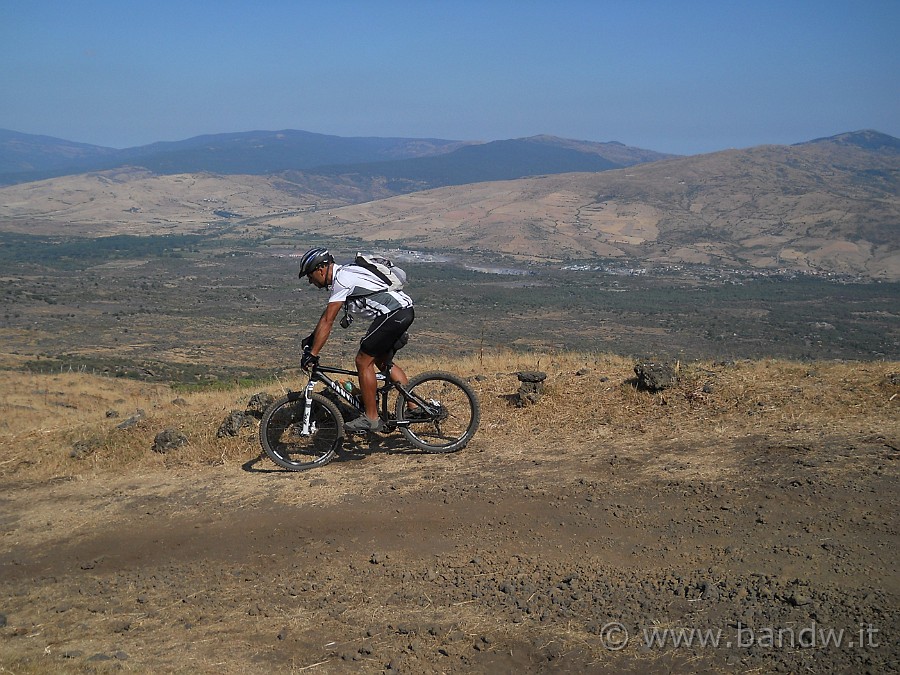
x: 315, y: 265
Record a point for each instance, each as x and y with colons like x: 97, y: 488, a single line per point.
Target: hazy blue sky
x: 679, y: 76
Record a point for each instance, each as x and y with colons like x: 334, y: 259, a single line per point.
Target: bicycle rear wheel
x: 455, y: 417
x: 283, y: 438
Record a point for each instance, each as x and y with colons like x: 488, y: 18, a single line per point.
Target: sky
x: 685, y: 77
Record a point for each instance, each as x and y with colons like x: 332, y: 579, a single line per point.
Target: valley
x: 750, y: 500
x: 198, y: 309
x: 828, y: 207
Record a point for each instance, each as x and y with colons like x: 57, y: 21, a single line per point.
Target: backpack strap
x: 365, y: 264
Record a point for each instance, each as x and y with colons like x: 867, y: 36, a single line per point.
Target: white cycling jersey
x: 365, y: 295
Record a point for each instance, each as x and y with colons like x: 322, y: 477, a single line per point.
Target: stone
x: 654, y: 376
x: 531, y: 388
x: 138, y: 415
x: 168, y: 439
x: 259, y: 403
x: 233, y: 423
x: 83, y: 448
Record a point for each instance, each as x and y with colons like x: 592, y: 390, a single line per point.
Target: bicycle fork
x: 308, y: 428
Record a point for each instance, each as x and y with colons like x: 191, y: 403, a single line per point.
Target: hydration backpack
x: 382, y: 268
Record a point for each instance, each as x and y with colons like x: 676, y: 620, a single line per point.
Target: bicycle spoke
x: 452, y: 415
x: 294, y: 446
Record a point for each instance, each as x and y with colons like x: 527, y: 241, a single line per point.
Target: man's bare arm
x: 326, y: 323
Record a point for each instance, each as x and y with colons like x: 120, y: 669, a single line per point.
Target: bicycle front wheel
x: 455, y: 413
x: 296, y: 447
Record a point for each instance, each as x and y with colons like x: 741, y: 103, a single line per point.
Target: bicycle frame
x: 320, y: 374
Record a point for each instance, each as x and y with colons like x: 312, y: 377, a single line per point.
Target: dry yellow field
x: 760, y: 494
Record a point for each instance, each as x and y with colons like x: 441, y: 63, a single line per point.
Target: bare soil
x: 559, y: 540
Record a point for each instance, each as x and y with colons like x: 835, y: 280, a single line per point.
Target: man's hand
x: 307, y: 342
x: 308, y: 359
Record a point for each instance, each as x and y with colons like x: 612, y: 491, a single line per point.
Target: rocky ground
x: 589, y: 545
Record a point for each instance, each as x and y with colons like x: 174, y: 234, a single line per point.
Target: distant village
x: 711, y: 273
x: 636, y: 269
x: 626, y: 269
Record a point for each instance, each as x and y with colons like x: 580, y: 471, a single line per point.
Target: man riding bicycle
x: 363, y: 294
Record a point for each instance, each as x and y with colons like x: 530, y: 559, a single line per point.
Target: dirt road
x: 564, y: 558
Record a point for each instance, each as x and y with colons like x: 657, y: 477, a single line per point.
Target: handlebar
x: 308, y: 359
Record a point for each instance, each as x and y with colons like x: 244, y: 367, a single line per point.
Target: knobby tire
x: 280, y: 432
x: 456, y: 421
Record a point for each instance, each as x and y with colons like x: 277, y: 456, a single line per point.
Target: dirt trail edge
x: 681, y: 555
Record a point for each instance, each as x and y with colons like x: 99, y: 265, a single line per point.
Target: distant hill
x: 134, y: 198
x: 502, y: 160
x: 267, y: 152
x: 830, y: 205
x: 28, y: 154
x: 867, y: 139
x: 24, y: 157
x: 407, y: 163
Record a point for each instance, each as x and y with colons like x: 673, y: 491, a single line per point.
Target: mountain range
x: 825, y: 205
x: 415, y: 162
x: 829, y: 205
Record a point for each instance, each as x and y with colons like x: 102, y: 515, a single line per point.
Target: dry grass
x: 594, y: 426
x: 42, y: 417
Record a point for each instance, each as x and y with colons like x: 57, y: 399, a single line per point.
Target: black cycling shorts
x: 385, y: 331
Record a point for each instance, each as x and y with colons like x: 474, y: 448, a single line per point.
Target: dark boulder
x: 234, y: 422
x: 168, y: 439
x: 258, y: 404
x: 654, y: 376
x: 531, y: 387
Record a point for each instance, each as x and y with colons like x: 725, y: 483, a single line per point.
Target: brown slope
x: 829, y: 205
x: 824, y: 207
x: 135, y: 201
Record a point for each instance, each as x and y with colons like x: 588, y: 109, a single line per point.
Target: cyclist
x: 363, y: 295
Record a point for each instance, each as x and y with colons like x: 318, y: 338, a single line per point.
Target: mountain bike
x: 436, y: 412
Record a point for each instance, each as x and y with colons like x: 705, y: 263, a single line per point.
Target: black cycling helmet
x: 313, y: 259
